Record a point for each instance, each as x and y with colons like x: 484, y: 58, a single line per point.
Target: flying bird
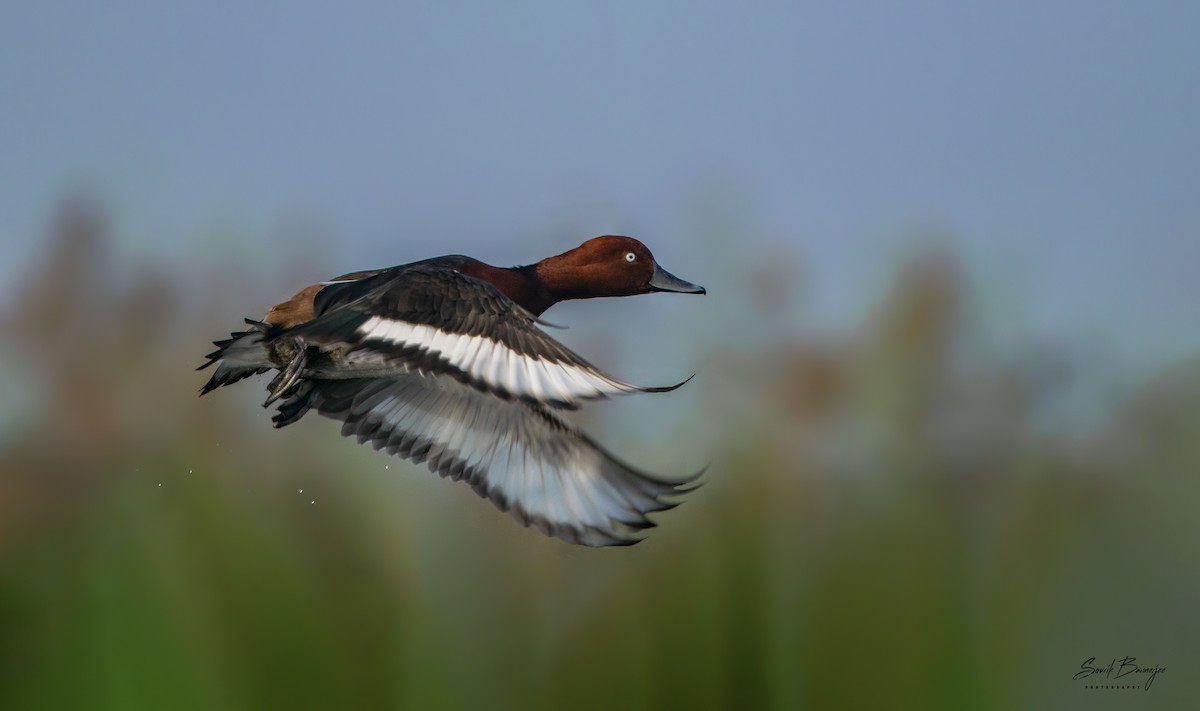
x: 442, y: 361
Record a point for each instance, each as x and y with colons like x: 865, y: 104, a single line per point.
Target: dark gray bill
x: 663, y: 280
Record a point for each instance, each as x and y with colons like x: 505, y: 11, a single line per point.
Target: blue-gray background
x: 951, y: 252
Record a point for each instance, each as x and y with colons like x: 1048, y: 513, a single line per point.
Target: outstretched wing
x: 522, y: 457
x: 436, y: 319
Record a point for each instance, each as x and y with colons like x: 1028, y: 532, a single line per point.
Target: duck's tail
x: 243, y: 354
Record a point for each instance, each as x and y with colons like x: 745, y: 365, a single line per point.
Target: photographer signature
x: 1117, y: 669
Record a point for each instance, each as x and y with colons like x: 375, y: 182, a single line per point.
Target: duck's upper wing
x: 433, y: 318
x: 523, y: 457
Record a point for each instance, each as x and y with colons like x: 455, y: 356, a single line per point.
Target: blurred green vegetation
x: 889, y: 522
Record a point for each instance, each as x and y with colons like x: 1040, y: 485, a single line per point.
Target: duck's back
x: 305, y: 305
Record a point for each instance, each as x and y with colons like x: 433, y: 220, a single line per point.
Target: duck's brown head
x: 608, y: 266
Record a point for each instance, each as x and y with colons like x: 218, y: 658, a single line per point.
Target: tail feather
x: 241, y: 355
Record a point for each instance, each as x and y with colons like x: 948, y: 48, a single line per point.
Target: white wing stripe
x: 562, y: 381
x: 471, y: 357
x: 494, y: 362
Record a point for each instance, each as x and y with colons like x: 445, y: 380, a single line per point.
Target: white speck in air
x: 312, y: 502
x: 160, y: 483
x: 189, y: 471
x: 302, y: 491
x: 385, y: 466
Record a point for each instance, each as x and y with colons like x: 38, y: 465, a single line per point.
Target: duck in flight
x: 441, y: 361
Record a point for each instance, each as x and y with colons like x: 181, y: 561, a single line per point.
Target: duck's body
x: 441, y: 361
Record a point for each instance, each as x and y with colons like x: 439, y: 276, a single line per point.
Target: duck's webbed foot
x: 288, y: 376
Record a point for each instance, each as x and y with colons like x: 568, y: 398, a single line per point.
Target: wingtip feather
x: 668, y: 388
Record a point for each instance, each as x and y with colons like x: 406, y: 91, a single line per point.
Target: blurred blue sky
x: 1054, y: 144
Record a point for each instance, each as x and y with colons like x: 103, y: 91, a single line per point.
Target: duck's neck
x: 521, y: 284
x: 530, y: 291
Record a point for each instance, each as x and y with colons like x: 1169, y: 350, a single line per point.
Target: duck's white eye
x: 630, y: 257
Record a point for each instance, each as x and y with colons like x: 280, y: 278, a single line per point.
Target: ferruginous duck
x: 441, y: 361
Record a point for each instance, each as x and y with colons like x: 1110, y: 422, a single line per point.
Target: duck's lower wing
x: 524, y: 458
